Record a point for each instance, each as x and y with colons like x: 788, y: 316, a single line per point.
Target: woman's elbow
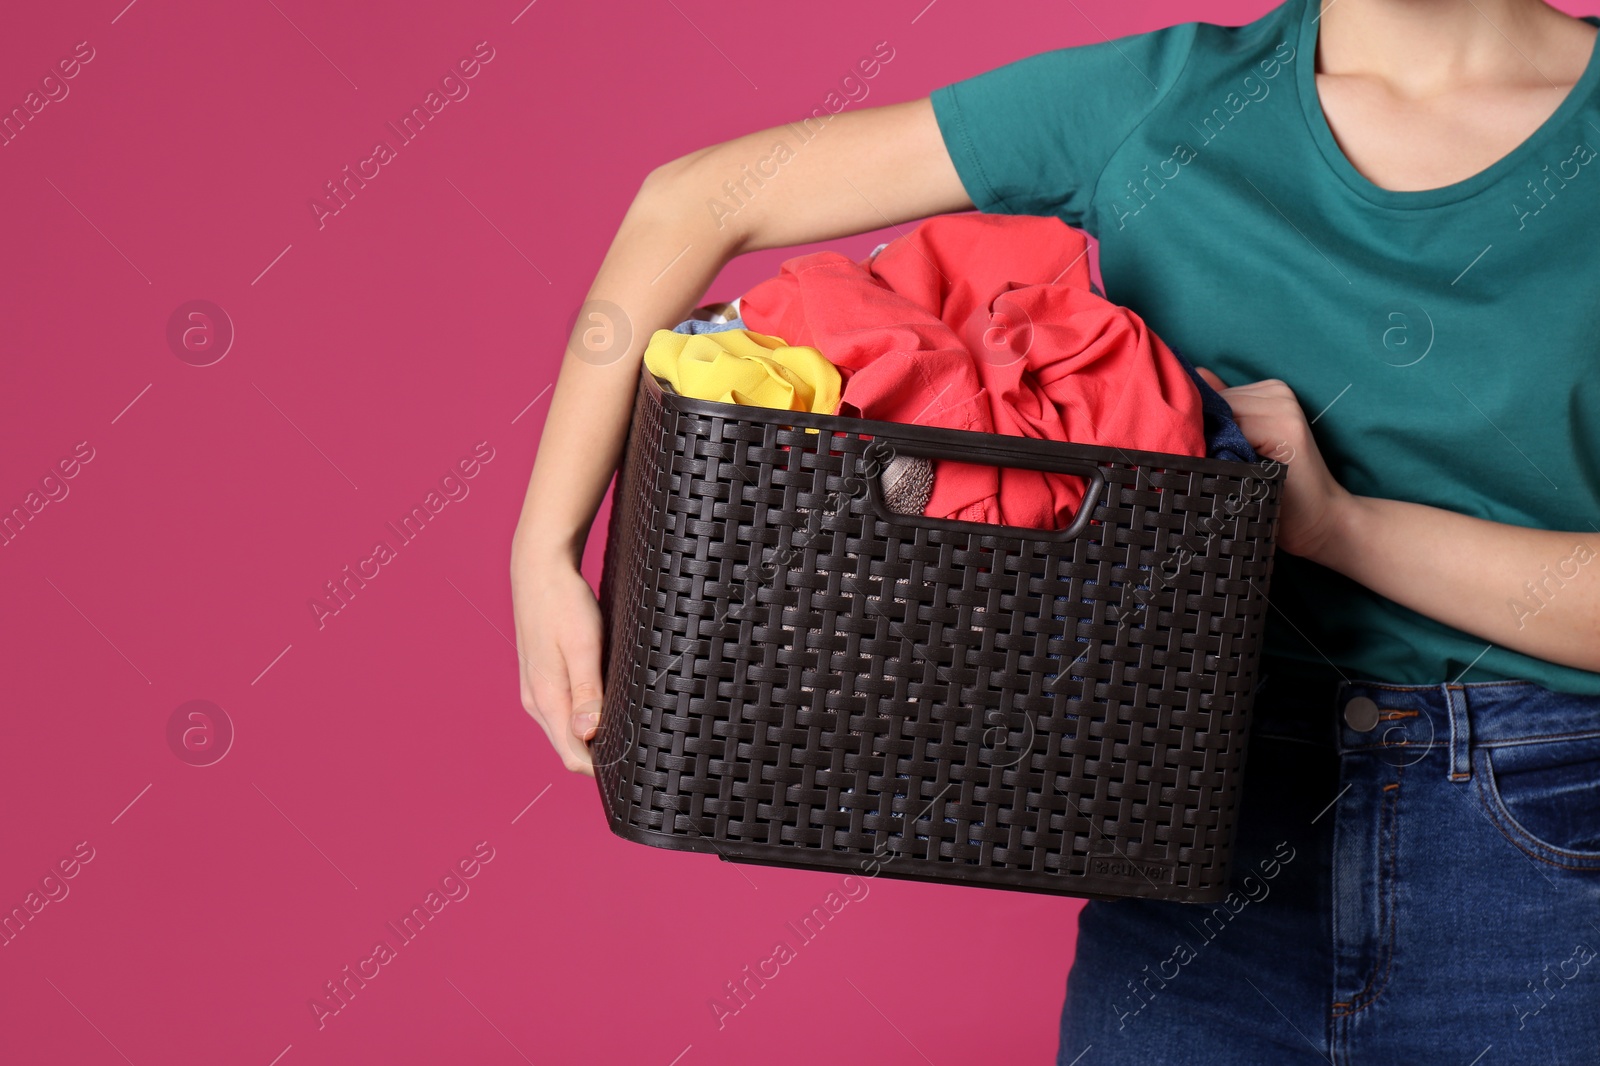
x: 671, y: 182
x: 680, y: 189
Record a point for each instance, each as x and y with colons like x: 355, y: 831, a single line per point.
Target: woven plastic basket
x: 796, y: 676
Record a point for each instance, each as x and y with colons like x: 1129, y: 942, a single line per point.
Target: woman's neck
x: 1419, y: 48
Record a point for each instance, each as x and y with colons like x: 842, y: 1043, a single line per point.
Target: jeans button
x: 1361, y: 714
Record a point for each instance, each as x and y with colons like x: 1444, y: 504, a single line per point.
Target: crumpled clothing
x: 1224, y: 438
x: 697, y: 326
x: 907, y: 483
x: 711, y: 318
x: 741, y: 366
x: 987, y: 323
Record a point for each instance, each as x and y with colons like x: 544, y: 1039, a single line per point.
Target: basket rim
x: 935, y: 436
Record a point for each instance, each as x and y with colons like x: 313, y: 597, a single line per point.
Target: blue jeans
x: 1416, y: 880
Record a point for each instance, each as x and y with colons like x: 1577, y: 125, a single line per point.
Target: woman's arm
x: 861, y: 171
x: 1530, y: 590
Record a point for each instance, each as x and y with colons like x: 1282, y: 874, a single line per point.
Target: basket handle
x: 988, y: 455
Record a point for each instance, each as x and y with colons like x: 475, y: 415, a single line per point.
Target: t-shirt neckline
x: 1322, y: 133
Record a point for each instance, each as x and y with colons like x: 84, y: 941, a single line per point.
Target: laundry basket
x: 797, y: 676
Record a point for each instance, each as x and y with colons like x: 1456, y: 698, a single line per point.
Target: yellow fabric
x: 742, y: 366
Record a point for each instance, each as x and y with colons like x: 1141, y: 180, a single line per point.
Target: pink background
x: 373, y: 753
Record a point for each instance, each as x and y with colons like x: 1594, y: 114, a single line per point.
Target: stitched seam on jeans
x: 1585, y: 734
x: 1491, y: 790
x: 1389, y: 905
x: 1429, y: 688
x: 1423, y: 746
x: 1502, y: 819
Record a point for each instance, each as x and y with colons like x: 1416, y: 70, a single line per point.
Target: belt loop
x: 1460, y: 733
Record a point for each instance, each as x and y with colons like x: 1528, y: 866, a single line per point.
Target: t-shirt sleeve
x: 1032, y: 137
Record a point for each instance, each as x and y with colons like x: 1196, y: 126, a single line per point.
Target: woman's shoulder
x: 1196, y: 51
x: 1276, y: 33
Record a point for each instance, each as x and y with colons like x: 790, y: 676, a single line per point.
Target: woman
x: 1392, y: 206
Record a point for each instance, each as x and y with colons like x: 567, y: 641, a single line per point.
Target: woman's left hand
x: 1313, y: 503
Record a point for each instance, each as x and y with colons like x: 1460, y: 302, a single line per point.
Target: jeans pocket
x: 1545, y: 797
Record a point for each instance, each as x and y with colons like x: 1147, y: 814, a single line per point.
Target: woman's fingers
x: 1211, y: 379
x: 583, y: 667
x: 558, y: 647
x: 1268, y: 414
x: 553, y: 697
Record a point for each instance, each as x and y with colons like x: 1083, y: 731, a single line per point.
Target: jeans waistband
x: 1361, y: 715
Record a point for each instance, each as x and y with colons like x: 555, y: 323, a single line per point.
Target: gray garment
x: 907, y: 484
x: 700, y: 325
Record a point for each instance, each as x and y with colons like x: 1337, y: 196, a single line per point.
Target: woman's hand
x: 1314, y: 504
x: 558, y: 641
x: 1450, y: 567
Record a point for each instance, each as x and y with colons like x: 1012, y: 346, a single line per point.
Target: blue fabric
x: 695, y: 325
x: 1411, y: 893
x: 1224, y: 439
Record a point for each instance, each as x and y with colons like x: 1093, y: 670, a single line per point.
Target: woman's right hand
x: 877, y: 166
x: 558, y: 643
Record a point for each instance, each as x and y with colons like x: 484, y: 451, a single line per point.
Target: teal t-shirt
x: 1445, y: 342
